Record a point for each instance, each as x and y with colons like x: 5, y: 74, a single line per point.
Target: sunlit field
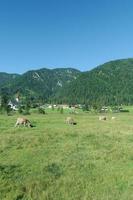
x: 92, y: 160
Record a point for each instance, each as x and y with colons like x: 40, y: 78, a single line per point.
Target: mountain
x: 42, y: 83
x: 6, y: 79
x: 110, y: 83
x: 107, y: 84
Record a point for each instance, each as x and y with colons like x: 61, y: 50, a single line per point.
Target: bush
x: 85, y: 107
x: 41, y: 111
x: 52, y: 107
x: 24, y: 110
x: 124, y: 110
x: 61, y: 110
x: 20, y: 109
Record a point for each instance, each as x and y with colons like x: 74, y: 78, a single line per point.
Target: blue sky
x: 64, y: 33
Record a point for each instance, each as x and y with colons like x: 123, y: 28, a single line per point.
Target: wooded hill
x: 37, y: 84
x: 107, y: 84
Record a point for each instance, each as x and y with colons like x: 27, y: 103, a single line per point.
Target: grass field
x: 55, y: 161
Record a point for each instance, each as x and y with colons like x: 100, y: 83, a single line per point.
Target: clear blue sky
x: 64, y: 33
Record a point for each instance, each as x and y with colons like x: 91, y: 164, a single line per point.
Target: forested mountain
x: 42, y: 83
x: 110, y: 83
x: 6, y: 79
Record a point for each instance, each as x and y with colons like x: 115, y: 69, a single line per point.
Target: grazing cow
x: 23, y: 121
x: 70, y: 120
x: 102, y: 118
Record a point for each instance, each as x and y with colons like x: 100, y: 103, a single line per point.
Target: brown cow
x: 23, y: 121
x: 70, y: 120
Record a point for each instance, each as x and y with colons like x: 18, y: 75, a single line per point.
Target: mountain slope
x: 41, y: 83
x: 110, y: 83
x: 6, y: 79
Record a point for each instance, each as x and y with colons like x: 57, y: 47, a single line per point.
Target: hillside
x: 110, y: 83
x: 42, y: 83
x: 6, y: 79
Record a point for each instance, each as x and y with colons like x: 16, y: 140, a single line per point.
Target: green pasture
x: 92, y: 160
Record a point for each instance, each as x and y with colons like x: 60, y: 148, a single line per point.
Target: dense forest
x: 107, y: 84
x: 37, y: 85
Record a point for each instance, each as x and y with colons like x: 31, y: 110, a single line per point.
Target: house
x: 13, y: 105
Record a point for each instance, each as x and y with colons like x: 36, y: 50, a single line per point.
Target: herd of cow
x: 69, y: 120
x: 25, y: 122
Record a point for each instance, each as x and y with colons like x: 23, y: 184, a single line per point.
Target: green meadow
x: 92, y: 160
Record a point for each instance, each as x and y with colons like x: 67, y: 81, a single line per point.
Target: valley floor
x: 92, y: 160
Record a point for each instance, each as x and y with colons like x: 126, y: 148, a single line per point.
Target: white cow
x: 113, y: 118
x: 102, y: 118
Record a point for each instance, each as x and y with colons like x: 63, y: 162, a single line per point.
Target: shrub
x: 41, y: 111
x: 124, y: 110
x: 61, y: 110
x: 52, y: 107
